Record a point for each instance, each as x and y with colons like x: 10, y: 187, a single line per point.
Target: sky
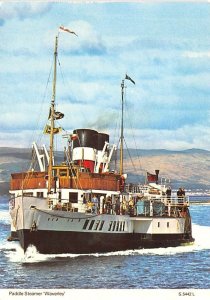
x: 163, y: 46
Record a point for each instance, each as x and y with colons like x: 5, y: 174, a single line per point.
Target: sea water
x: 184, y: 267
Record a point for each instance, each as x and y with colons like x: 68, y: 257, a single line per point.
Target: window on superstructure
x: 59, y: 195
x: 63, y: 172
x: 54, y: 172
x: 28, y: 194
x: 39, y: 194
x: 167, y: 224
x: 158, y: 224
x: 73, y: 197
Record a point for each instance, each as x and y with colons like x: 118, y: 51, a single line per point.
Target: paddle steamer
x: 81, y: 206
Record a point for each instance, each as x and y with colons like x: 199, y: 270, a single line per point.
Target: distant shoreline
x: 185, y: 168
x: 4, y: 188
x: 195, y: 196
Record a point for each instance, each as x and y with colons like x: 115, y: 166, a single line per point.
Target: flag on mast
x: 151, y: 177
x: 74, y: 137
x: 67, y: 30
x: 57, y: 115
x: 47, y: 130
x: 127, y: 77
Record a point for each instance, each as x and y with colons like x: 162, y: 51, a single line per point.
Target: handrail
x: 174, y: 201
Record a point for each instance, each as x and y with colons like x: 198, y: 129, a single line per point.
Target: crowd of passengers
x: 107, y: 205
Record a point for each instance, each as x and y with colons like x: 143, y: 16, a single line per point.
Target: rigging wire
x: 33, y: 163
x: 130, y: 157
x: 65, y: 85
x: 133, y: 136
x: 116, y: 137
x: 77, y: 182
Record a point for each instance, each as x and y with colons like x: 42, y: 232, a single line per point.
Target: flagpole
x: 54, y: 115
x: 122, y: 134
x: 52, y: 110
x: 122, y: 122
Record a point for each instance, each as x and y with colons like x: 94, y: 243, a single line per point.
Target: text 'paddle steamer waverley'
x: 79, y: 206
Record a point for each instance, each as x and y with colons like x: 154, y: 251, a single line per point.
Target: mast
x: 122, y: 125
x: 52, y: 113
x: 122, y: 122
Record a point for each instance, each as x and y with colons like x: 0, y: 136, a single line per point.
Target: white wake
x: 4, y: 217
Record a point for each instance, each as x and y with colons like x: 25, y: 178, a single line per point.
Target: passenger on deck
x: 84, y: 199
x: 179, y: 192
x: 131, y: 207
x: 183, y: 192
x: 108, y: 205
x: 139, y: 206
x: 113, y: 206
x: 95, y: 204
x: 117, y: 206
x: 168, y: 192
x: 59, y: 205
x: 123, y: 206
x: 89, y: 206
x: 181, y: 195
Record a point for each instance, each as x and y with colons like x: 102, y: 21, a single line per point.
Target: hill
x: 189, y: 168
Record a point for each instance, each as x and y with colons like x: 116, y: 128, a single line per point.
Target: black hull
x: 54, y: 242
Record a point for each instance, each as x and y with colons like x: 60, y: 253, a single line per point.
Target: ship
x: 81, y: 205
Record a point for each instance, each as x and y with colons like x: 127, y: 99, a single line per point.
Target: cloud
x: 158, y: 43
x: 89, y: 41
x: 187, y: 137
x: 19, y: 117
x: 196, y: 54
x: 20, y: 138
x: 171, y: 95
x: 22, y: 10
